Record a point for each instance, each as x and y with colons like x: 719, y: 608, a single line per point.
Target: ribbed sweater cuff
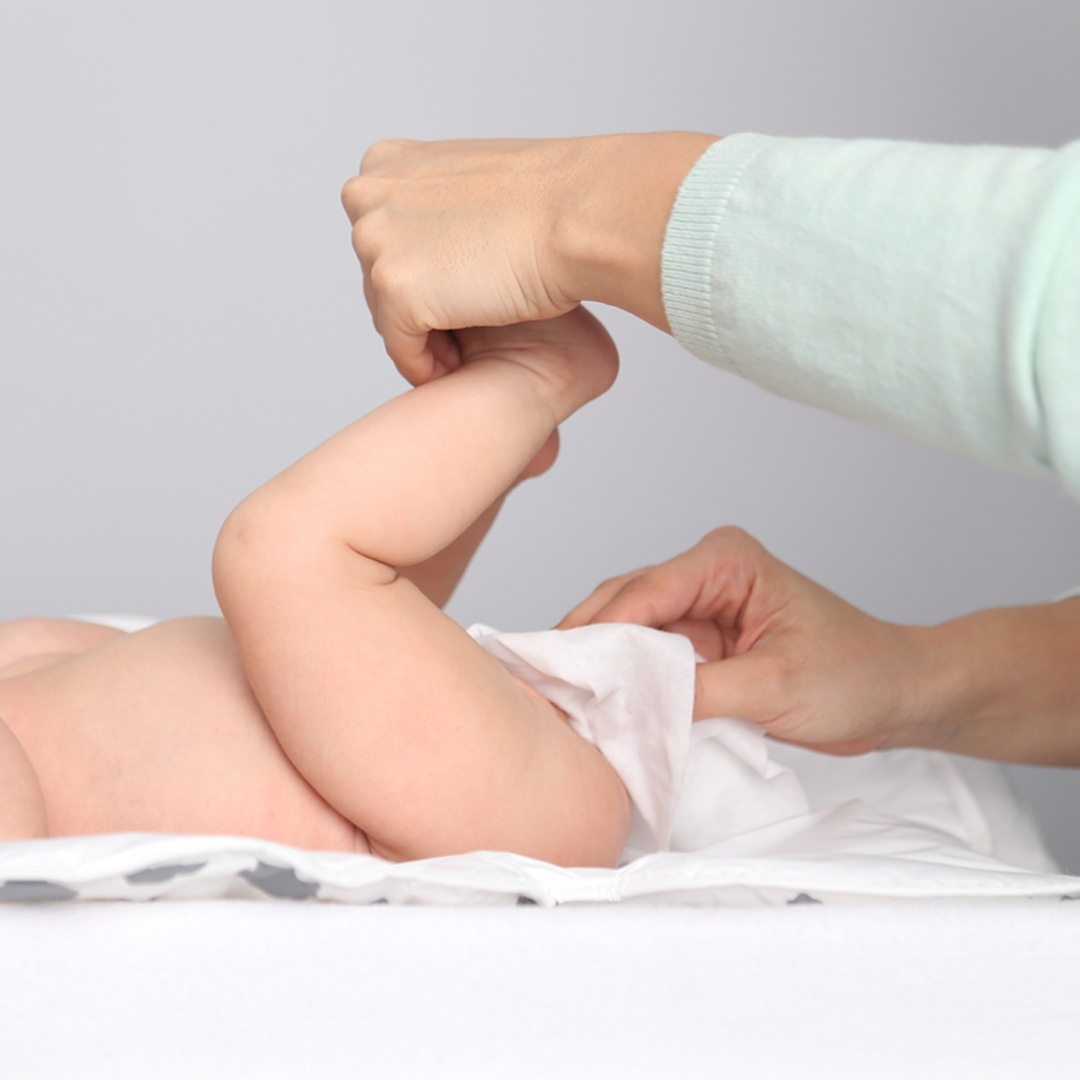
x: 690, y: 241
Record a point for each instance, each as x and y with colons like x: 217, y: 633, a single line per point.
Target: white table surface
x: 235, y: 989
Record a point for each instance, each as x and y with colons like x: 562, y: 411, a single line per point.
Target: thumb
x: 423, y: 356
x: 445, y: 352
x: 758, y: 687
x: 411, y: 353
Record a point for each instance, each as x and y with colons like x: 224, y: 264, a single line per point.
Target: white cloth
x: 630, y: 691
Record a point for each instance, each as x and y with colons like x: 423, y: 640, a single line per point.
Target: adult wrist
x: 609, y: 218
x: 939, y: 688
x: 1004, y: 684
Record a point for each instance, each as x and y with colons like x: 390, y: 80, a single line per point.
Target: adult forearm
x: 1005, y: 684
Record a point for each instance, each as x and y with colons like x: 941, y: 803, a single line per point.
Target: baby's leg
x: 386, y: 706
x: 22, y: 808
x: 26, y: 644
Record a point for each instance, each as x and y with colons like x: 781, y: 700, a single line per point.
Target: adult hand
x: 498, y: 231
x: 811, y: 669
x: 781, y: 650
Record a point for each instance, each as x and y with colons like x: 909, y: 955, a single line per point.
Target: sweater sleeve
x: 930, y: 290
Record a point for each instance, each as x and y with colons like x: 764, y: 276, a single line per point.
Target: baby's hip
x: 159, y: 731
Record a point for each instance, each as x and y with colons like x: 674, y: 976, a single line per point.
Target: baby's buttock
x: 159, y: 731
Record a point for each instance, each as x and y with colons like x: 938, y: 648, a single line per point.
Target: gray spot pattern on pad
x: 804, y: 898
x: 525, y: 901
x: 35, y: 890
x: 154, y: 874
x: 280, y: 881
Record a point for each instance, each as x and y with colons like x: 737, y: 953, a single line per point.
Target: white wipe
x: 630, y: 691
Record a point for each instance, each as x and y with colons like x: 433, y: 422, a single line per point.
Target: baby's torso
x: 159, y: 731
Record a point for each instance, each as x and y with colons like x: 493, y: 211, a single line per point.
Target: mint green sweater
x: 930, y: 290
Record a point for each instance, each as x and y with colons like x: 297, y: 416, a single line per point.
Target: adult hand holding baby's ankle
x: 490, y: 232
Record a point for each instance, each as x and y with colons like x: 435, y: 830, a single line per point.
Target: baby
x: 335, y: 707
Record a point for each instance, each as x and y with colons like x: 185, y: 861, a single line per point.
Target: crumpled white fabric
x: 629, y: 690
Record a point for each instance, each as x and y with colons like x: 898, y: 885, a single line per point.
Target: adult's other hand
x: 497, y: 231
x: 811, y: 669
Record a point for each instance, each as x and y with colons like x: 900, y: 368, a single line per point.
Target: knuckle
x: 363, y: 197
x: 380, y: 152
x: 400, y: 302
x: 352, y: 194
x: 365, y: 237
x: 388, y: 278
x: 734, y: 539
x: 728, y: 534
x: 641, y: 584
x: 620, y: 583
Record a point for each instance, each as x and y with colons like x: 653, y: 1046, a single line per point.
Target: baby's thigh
x: 23, y: 639
x: 22, y: 808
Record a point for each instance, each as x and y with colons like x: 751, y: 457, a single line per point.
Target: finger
x: 353, y: 199
x: 742, y: 686
x: 582, y: 615
x: 372, y: 300
x: 654, y: 597
x: 445, y: 352
x: 409, y: 350
x: 848, y: 748
x: 709, y: 643
x: 760, y: 688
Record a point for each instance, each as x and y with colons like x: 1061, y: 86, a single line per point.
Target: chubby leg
x: 29, y: 644
x: 385, y: 705
x: 22, y: 808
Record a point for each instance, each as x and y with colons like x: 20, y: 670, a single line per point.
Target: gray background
x: 182, y: 313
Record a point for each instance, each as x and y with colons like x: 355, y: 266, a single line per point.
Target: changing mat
x: 721, y: 815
